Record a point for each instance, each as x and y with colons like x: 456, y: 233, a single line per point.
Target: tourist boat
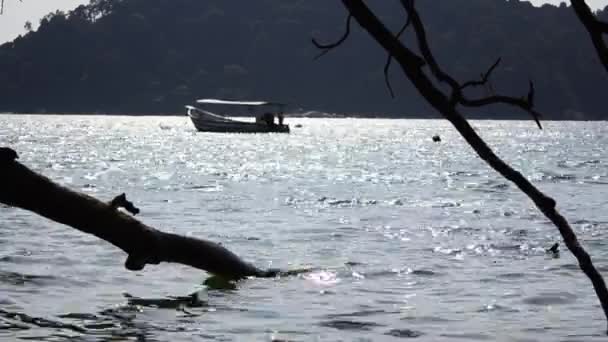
x: 219, y: 121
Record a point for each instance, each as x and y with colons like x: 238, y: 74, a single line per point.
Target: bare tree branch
x: 389, y: 58
x: 484, y: 78
x: 423, y: 45
x: 457, y: 96
x: 526, y: 104
x: 328, y: 47
x: 595, y: 27
x: 442, y: 103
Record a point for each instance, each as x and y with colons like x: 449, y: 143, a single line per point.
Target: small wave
x: 462, y: 173
x: 331, y: 202
x: 497, y: 308
x: 205, y: 188
x: 424, y: 273
x: 350, y: 325
x: 404, y: 333
x: 15, y: 320
x: 489, y: 186
x: 446, y: 204
x: 192, y: 301
x: 403, y: 271
x: 163, y: 176
x: 355, y: 202
x: 353, y: 263
x: 551, y: 299
x: 381, y: 273
x: 79, y: 316
x: 427, y: 319
x: 396, y: 202
x: 569, y: 164
x: 596, y: 182
x: 325, y: 278
x: 19, y: 279
x: 512, y: 275
x: 555, y: 177
x: 362, y: 313
x: 447, y: 251
x: 571, y: 267
x: 593, y: 223
x: 469, y: 336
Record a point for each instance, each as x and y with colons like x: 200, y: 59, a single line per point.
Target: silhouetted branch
x: 389, y: 58
x: 423, y: 45
x: 23, y: 188
x: 526, y: 104
x: 457, y: 96
x: 443, y: 103
x: 484, y: 78
x: 328, y: 47
x: 595, y: 27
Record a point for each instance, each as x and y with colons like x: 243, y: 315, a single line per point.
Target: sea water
x: 405, y: 237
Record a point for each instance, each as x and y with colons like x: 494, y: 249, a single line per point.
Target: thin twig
x: 484, y: 79
x: 389, y: 58
x: 457, y: 96
x: 526, y: 104
x: 328, y: 47
x: 425, y: 50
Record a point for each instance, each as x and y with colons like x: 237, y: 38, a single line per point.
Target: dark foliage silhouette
x: 154, y: 56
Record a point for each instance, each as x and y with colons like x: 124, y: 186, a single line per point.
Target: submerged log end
x: 135, y: 262
x: 7, y: 155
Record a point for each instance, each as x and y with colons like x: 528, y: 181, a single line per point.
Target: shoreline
x: 328, y: 116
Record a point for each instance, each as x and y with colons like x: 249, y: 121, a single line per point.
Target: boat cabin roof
x: 239, y: 103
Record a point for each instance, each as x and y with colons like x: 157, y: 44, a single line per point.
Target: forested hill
x: 154, y: 56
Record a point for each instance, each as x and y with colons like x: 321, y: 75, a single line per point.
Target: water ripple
x: 408, y: 238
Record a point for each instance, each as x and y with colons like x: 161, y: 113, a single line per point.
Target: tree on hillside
x: 154, y: 56
x: 447, y: 96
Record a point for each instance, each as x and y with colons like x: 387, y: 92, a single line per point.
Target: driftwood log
x: 23, y: 188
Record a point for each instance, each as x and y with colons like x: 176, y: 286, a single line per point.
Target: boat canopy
x: 239, y: 103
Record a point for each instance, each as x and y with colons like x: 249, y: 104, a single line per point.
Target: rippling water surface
x: 407, y: 238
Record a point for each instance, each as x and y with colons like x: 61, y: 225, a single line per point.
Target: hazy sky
x: 17, y: 13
